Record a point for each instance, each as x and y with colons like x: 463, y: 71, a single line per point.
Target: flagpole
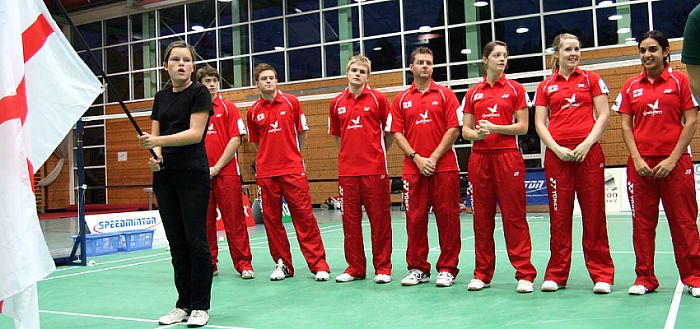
x: 98, y: 66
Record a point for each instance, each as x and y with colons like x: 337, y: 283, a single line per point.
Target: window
x: 465, y: 12
x: 143, y: 55
x: 235, y: 72
x: 341, y: 24
x: 374, y: 18
x: 507, y: 8
x: 233, y: 41
x: 268, y: 35
x: 551, y: 5
x: 201, y: 14
x: 670, y: 16
x: 274, y: 59
x: 522, y: 35
x: 204, y: 44
x: 417, y: 13
x: 92, y: 33
x: 121, y: 84
x: 385, y: 53
x: 266, y: 8
x: 337, y: 57
x: 117, y: 59
x: 145, y: 84
x: 435, y: 40
x: 303, y: 30
x: 305, y: 64
x: 172, y: 21
x: 232, y: 12
x: 301, y: 6
x: 612, y: 21
x: 579, y: 24
x: 466, y: 42
x: 143, y: 26
x: 116, y: 31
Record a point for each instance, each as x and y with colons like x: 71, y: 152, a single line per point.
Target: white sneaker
x: 280, y: 272
x: 198, y: 318
x: 345, y: 278
x: 177, y: 315
x: 248, y: 274
x: 476, y: 285
x: 550, y: 286
x: 382, y: 278
x: 694, y: 291
x: 602, y: 288
x: 415, y: 277
x: 637, y: 289
x: 445, y: 279
x: 524, y: 286
x: 322, y: 276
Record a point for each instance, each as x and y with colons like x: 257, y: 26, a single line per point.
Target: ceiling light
x: 197, y: 28
x: 549, y: 50
x: 298, y: 11
x: 623, y: 30
x: 424, y: 29
x: 631, y: 39
x: 278, y: 48
x: 630, y: 42
x: 615, y: 17
x: 377, y: 48
x: 480, y: 3
x: 466, y: 51
x: 605, y: 3
x: 522, y: 30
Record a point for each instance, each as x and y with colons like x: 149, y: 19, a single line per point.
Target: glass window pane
x: 266, y: 8
x: 507, y: 8
x: 301, y: 6
x: 516, y: 65
x: 274, y: 59
x: 235, y: 11
x: 92, y: 33
x: 335, y: 3
x: 117, y: 59
x: 233, y: 41
x: 268, y: 35
x: 201, y: 14
x: 579, y: 24
x: 551, y: 5
x: 439, y: 74
x: 116, y: 31
x: 385, y: 53
x: 172, y: 20
x: 341, y: 24
x: 466, y: 42
x: 463, y: 11
x: 305, y: 64
x: 435, y: 40
x: 143, y: 26
x: 471, y: 70
x: 98, y: 57
x: 235, y: 72
x: 204, y: 44
x: 145, y: 84
x: 143, y: 55
x: 375, y: 18
x: 417, y: 13
x: 94, y: 111
x: 337, y: 57
x: 121, y: 84
x: 670, y: 16
x: 611, y: 19
x: 303, y: 30
x: 520, y: 43
x: 94, y: 136
x: 94, y: 156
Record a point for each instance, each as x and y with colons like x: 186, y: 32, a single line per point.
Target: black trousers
x: 182, y: 197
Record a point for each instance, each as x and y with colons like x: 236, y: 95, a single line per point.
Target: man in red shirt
x: 356, y: 119
x: 426, y: 120
x: 278, y: 129
x: 223, y: 138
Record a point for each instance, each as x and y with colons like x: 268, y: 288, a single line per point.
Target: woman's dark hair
x: 488, y: 48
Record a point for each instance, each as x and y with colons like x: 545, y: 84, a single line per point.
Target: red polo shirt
x: 570, y: 103
x: 225, y: 124
x: 360, y: 124
x: 657, y: 108
x: 424, y: 118
x: 496, y: 103
x: 275, y: 125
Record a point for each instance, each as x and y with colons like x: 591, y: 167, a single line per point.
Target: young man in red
x: 278, y: 127
x: 223, y: 138
x: 426, y: 120
x: 356, y: 119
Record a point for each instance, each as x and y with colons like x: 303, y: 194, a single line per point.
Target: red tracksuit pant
x: 677, y: 192
x: 585, y: 179
x: 295, y: 189
x: 500, y: 177
x: 226, y: 194
x: 373, y: 193
x: 441, y: 190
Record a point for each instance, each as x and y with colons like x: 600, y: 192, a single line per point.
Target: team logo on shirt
x: 654, y: 109
x: 218, y: 115
x: 668, y: 91
x: 407, y: 105
x: 260, y: 117
x: 274, y: 127
x: 210, y: 129
x: 423, y: 118
x: 581, y: 85
x: 341, y: 110
x: 478, y: 96
x: 283, y: 112
x: 366, y: 109
x: 552, y: 88
x: 637, y: 92
x: 571, y: 102
x: 355, y: 123
x: 505, y: 96
x: 435, y: 103
x: 493, y: 112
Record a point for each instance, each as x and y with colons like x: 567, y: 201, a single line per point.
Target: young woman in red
x: 497, y: 169
x: 575, y: 102
x: 658, y: 122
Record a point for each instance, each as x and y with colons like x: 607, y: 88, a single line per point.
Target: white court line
x: 675, y: 305
x: 122, y: 318
x: 114, y: 261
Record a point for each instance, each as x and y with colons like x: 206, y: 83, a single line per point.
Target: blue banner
x: 535, y: 188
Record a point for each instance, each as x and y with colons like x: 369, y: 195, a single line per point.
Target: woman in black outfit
x: 181, y: 182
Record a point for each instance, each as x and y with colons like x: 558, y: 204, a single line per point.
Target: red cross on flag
x: 44, y: 89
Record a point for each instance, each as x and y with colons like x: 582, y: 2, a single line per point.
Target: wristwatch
x: 412, y: 155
